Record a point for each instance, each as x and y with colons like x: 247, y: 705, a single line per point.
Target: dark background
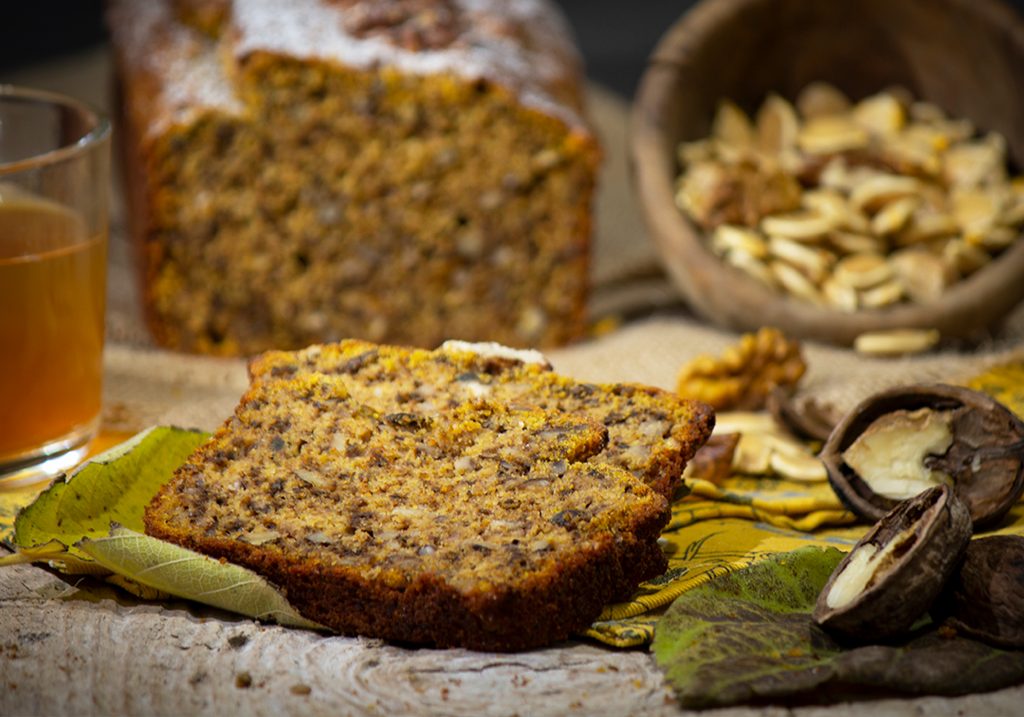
x: 615, y: 35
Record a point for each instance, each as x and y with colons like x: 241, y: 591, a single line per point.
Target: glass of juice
x: 54, y: 196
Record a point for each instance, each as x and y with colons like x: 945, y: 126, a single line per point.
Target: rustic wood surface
x: 73, y: 647
x: 744, y: 49
x: 67, y: 650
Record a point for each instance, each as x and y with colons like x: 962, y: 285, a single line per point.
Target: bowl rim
x: 729, y: 297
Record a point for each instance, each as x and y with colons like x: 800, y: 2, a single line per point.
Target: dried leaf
x: 187, y: 574
x: 748, y: 637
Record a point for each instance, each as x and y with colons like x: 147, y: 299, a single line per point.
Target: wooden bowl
x: 966, y: 56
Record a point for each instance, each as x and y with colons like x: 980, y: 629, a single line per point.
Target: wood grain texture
x: 964, y: 55
x: 87, y: 651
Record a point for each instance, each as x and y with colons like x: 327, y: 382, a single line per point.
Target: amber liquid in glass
x: 52, y: 296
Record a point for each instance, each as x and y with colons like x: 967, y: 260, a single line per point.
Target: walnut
x: 746, y: 372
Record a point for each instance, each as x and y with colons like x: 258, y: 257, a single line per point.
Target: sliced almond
x: 731, y: 126
x: 923, y: 275
x: 1013, y: 212
x: 936, y: 138
x: 839, y: 176
x: 801, y: 467
x: 698, y: 191
x: 885, y: 294
x: 744, y: 422
x: 976, y: 211
x: 753, y: 454
x: 777, y: 125
x: 811, y: 261
x: 821, y: 99
x: 995, y: 239
x: 876, y: 191
x: 689, y: 153
x: 862, y: 271
x: 970, y: 164
x: 851, y: 243
x: 909, y: 154
x: 794, y: 282
x: 800, y: 225
x: 838, y: 296
x: 927, y: 224
x: 896, y: 342
x: 894, y: 216
x: 926, y: 112
x: 881, y: 114
x: 729, y: 237
x: 751, y: 266
x: 833, y: 205
x: 827, y: 202
x: 964, y: 258
x: 832, y: 134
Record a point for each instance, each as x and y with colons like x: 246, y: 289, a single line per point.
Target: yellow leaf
x: 113, y: 487
x: 177, y: 571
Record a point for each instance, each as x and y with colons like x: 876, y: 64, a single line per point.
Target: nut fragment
x: 777, y: 125
x: 983, y: 462
x: 831, y: 134
x: 820, y: 99
x: 872, y: 178
x: 890, y: 454
x: 876, y: 191
x: 884, y: 294
x: 862, y: 271
x: 714, y: 460
x: 746, y: 372
x: 881, y: 114
x: 795, y: 282
x: 728, y: 237
x: 812, y: 262
x: 764, y: 449
x: 731, y: 126
x: 798, y: 226
x: 801, y: 467
x: 922, y: 274
x: 896, y: 342
x: 894, y: 573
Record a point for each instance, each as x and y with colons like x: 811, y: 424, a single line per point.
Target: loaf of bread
x: 388, y: 500
x: 400, y: 170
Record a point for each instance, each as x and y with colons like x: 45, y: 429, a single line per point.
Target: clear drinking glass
x: 54, y: 196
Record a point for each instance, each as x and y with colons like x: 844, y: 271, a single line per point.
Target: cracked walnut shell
x: 745, y: 373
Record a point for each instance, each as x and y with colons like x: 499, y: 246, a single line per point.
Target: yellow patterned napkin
x: 721, y: 528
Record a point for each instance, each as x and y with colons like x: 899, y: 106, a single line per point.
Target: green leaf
x: 113, y: 487
x: 748, y: 637
x: 187, y: 574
